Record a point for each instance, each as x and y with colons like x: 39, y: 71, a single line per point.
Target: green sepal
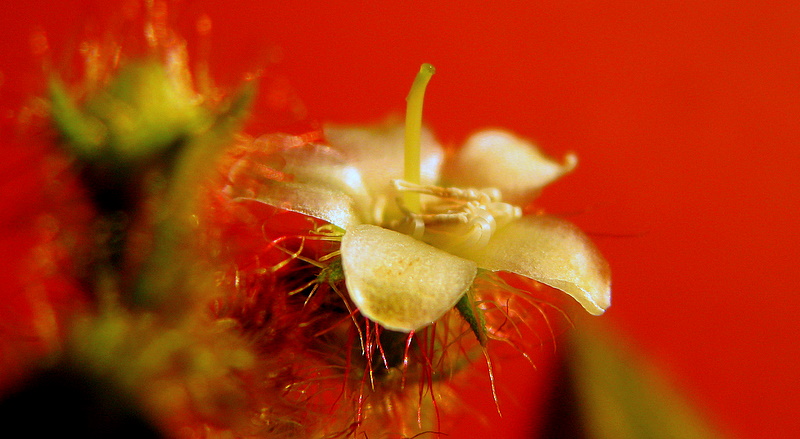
x: 331, y: 273
x: 143, y: 112
x: 84, y: 135
x: 473, y: 315
x: 146, y: 110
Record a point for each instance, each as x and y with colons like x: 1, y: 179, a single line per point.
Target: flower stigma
x: 413, y: 131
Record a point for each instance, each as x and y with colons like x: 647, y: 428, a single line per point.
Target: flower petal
x: 399, y: 282
x: 377, y: 152
x: 499, y: 159
x: 302, y: 177
x: 553, y: 252
x: 326, y: 167
x: 316, y: 201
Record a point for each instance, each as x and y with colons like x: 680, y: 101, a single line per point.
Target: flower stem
x: 413, y: 133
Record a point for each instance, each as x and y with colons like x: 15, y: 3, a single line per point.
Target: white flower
x: 405, y: 269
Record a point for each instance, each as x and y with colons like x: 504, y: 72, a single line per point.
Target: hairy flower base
x: 362, y: 317
x: 340, y: 371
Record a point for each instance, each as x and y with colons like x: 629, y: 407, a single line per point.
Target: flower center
x: 453, y: 218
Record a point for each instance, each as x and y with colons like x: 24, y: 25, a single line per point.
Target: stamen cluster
x: 455, y: 218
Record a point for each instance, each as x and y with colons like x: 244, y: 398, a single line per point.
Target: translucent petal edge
x: 318, y: 202
x: 554, y: 252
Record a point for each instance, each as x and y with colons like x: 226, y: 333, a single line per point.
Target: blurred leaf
x: 621, y: 396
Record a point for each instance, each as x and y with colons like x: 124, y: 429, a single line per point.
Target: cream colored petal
x: 399, y: 282
x: 311, y: 179
x: 326, y: 167
x: 499, y: 159
x: 553, y: 252
x: 315, y: 201
x: 378, y: 153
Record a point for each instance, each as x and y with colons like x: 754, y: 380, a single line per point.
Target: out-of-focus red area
x: 685, y: 116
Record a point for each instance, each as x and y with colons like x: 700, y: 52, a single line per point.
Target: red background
x: 685, y: 116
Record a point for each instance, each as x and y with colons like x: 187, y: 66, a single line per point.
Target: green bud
x: 142, y: 112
